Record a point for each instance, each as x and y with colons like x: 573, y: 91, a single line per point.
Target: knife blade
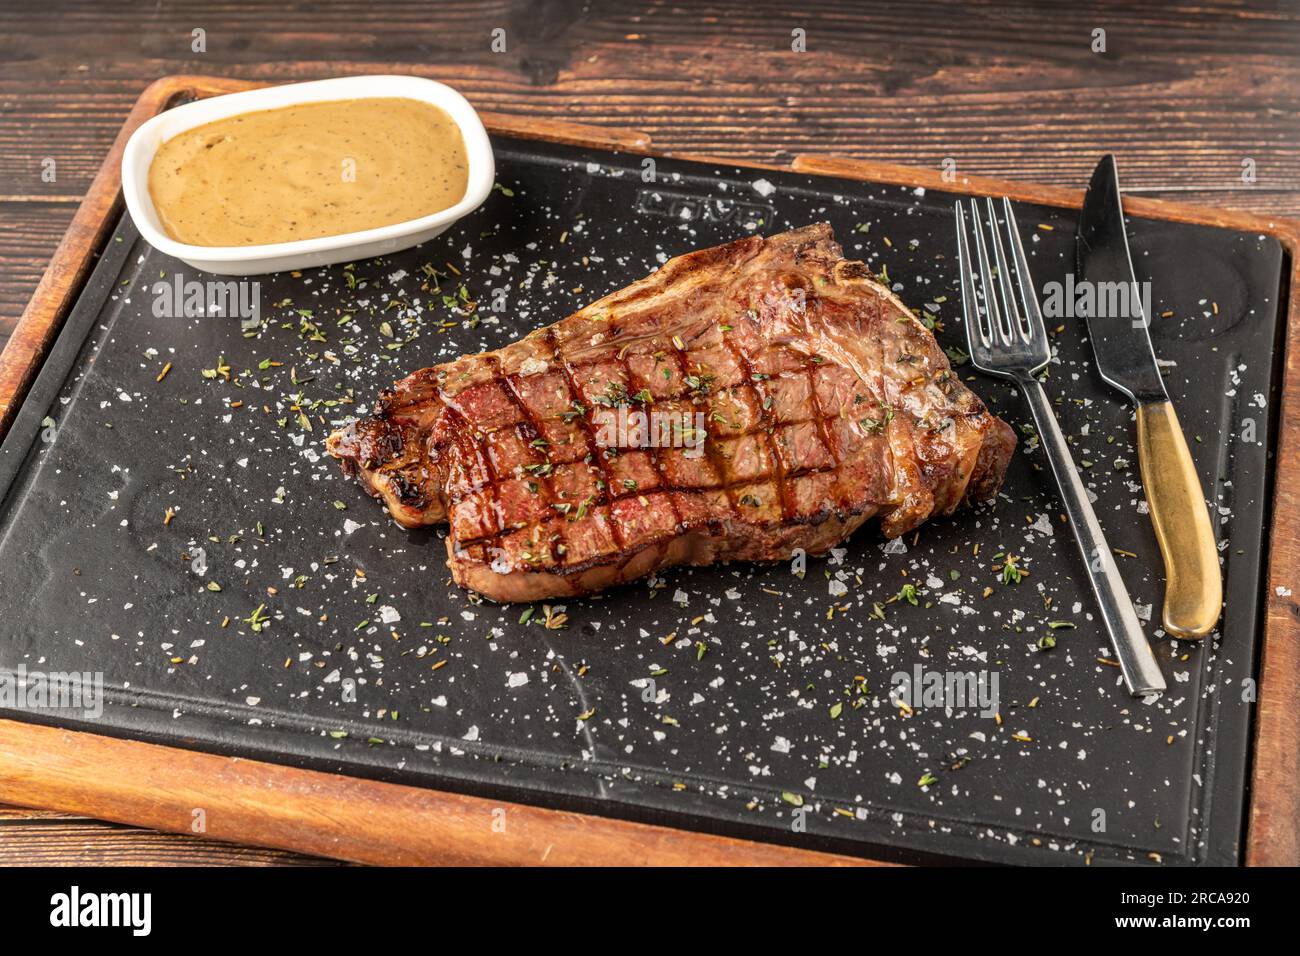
x: 1113, y: 303
x: 1117, y: 323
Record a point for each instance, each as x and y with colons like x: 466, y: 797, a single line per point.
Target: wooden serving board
x: 373, y: 821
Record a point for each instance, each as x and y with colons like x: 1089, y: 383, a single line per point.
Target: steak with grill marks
x: 823, y: 401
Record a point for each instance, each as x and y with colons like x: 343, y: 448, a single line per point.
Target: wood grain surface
x: 36, y: 838
x: 1185, y: 95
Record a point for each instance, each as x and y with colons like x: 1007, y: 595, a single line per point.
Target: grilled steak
x: 802, y: 398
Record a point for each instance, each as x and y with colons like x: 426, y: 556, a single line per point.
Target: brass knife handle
x: 1194, y: 583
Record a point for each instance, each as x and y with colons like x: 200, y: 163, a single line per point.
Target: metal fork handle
x: 1141, y: 672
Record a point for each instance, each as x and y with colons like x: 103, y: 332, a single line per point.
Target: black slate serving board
x: 765, y: 717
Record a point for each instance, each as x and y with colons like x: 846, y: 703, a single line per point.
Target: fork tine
x: 986, y: 277
x: 1029, y: 298
x: 969, y: 304
x: 1010, y: 308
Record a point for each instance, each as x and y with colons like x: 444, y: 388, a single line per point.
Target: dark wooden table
x: 1201, y: 103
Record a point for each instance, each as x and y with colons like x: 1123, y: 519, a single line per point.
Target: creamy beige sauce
x: 317, y: 169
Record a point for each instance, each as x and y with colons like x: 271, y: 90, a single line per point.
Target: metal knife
x: 1122, y: 344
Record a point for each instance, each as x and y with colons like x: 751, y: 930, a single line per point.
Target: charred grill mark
x: 747, y: 369
x: 553, y: 347
x: 824, y: 433
x: 657, y: 464
x: 467, y: 446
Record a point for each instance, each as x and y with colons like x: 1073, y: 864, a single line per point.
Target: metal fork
x: 1008, y: 339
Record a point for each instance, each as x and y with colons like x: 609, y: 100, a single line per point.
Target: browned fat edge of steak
x: 824, y: 401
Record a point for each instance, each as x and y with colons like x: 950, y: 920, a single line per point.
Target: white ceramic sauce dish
x: 304, y: 253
